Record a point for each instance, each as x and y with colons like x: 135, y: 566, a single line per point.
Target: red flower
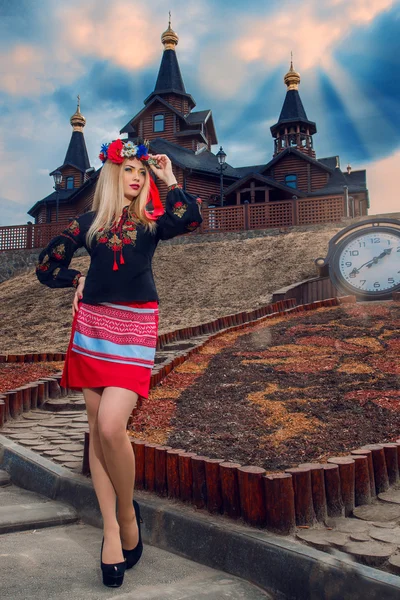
x: 102, y: 157
x: 114, y: 152
x: 178, y: 204
x: 103, y: 240
x: 199, y: 200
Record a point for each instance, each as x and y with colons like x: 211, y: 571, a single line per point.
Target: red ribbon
x: 154, y: 203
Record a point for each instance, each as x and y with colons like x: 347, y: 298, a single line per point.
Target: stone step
x: 4, y: 478
x: 21, y: 510
x: 67, y: 403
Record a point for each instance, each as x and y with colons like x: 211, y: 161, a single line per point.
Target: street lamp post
x: 57, y: 183
x: 222, y: 166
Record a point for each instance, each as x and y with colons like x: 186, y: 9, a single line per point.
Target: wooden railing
x: 28, y: 237
x: 244, y: 217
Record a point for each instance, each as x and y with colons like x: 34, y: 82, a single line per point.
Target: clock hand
x: 375, y: 260
x: 371, y: 262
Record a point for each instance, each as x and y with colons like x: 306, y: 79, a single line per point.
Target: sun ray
x: 359, y: 107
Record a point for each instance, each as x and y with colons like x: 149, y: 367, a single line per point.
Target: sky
x: 233, y: 57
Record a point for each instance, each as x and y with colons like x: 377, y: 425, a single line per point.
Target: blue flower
x: 141, y: 151
x: 104, y: 148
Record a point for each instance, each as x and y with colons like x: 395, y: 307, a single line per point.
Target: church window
x: 70, y: 183
x: 291, y: 181
x: 158, y: 123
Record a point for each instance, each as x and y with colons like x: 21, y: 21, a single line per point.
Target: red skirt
x: 112, y: 344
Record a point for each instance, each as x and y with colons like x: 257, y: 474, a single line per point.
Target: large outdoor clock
x: 364, y: 259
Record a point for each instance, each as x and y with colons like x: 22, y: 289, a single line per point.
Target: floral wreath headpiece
x: 118, y: 150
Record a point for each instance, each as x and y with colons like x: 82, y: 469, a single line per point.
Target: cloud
x: 262, y: 40
x: 27, y: 70
x: 380, y: 176
x: 310, y: 32
x: 127, y: 36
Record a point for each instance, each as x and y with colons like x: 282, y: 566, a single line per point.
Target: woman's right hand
x: 78, y: 295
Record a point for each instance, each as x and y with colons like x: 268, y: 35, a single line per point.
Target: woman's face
x: 134, y: 177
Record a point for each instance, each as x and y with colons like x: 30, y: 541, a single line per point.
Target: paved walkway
x: 56, y: 430
x: 372, y: 536
x: 58, y: 436
x: 46, y: 552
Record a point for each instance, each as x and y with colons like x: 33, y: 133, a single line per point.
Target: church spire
x: 293, y: 129
x: 169, y: 81
x: 77, y: 120
x: 77, y: 155
x: 292, y: 78
x: 169, y: 38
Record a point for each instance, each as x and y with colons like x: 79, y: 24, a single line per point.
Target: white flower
x: 129, y: 150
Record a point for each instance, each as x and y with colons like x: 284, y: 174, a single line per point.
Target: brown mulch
x: 14, y: 375
x: 296, y: 390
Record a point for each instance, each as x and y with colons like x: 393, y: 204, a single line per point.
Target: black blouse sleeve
x: 182, y: 214
x: 53, y: 262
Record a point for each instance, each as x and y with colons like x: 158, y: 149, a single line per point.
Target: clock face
x: 368, y: 262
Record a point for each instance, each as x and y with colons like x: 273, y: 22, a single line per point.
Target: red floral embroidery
x: 174, y: 186
x: 192, y: 226
x: 44, y: 265
x: 58, y: 252
x: 127, y: 232
x: 73, y: 227
x: 75, y: 280
x: 179, y: 209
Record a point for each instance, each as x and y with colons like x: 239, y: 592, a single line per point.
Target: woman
x: 115, y: 322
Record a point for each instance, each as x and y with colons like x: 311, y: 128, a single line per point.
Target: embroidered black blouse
x: 121, y: 257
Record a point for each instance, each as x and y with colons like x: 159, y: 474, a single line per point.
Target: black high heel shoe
x: 113, y: 574
x: 133, y: 556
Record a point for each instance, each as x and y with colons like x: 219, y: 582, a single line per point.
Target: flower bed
x: 13, y: 375
x: 288, y: 390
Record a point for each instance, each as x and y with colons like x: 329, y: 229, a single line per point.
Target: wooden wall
x: 309, y: 177
x: 203, y: 187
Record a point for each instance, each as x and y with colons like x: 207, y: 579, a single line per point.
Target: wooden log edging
x: 277, y: 502
x: 33, y: 357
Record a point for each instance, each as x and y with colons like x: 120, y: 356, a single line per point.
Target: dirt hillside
x: 196, y: 282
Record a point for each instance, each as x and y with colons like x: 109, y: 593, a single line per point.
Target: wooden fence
x: 244, y: 217
x: 28, y: 237
x: 309, y: 290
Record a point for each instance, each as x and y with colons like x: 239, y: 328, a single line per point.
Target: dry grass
x: 196, y: 283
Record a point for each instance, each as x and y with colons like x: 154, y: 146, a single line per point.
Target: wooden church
x: 294, y: 187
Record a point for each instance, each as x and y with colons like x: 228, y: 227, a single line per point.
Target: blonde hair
x: 109, y: 200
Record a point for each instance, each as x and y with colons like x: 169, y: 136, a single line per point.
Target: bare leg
x: 115, y: 407
x: 105, y: 492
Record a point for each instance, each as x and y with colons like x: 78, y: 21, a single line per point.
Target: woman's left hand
x: 164, y: 172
